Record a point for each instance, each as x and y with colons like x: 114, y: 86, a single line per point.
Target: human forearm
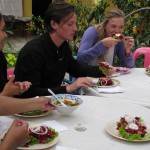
x: 87, y: 53
x: 90, y: 47
x: 6, y: 146
x: 13, y: 105
x: 16, y: 135
x: 80, y: 70
x: 124, y: 61
x: 129, y: 61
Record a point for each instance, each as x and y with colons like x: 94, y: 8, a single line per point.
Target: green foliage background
x: 136, y: 24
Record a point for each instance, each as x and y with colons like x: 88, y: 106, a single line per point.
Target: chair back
x: 143, y: 51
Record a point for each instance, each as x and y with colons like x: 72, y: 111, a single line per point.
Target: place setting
x: 107, y: 85
x: 129, y: 128
x: 46, y: 134
x: 41, y: 136
x: 117, y: 71
x: 34, y: 114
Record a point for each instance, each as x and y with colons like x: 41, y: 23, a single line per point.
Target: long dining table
x: 135, y: 86
x: 86, y: 125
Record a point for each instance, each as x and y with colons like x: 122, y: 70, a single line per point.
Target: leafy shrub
x: 83, y: 12
x: 36, y: 26
x: 11, y: 60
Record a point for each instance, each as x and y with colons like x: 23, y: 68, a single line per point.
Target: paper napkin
x: 64, y: 148
x: 116, y: 89
x: 55, y: 125
x: 3, y: 126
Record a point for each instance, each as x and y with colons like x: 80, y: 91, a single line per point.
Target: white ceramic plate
x: 34, y: 116
x: 111, y: 129
x: 40, y: 146
x: 36, y: 146
x: 116, y: 83
x: 114, y: 75
x: 123, y: 70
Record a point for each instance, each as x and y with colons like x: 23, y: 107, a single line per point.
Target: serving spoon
x: 50, y: 91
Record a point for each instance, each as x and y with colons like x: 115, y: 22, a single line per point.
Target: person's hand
x: 17, y: 135
x: 15, y: 88
x: 110, y: 42
x: 80, y: 82
x: 128, y: 44
x: 107, y: 69
x: 24, y: 86
x: 44, y: 103
x: 108, y: 72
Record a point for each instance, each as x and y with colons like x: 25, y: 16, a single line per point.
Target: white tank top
x: 108, y: 57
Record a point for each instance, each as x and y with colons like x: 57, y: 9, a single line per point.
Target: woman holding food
x: 103, y: 42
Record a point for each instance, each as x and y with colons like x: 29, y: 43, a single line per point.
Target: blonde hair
x: 101, y: 28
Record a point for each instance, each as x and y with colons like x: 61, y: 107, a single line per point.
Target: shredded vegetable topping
x: 32, y: 113
x: 105, y: 82
x: 103, y: 66
x: 132, y: 128
x: 41, y: 135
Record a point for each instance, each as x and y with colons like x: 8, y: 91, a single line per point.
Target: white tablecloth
x: 93, y: 114
x: 136, y: 86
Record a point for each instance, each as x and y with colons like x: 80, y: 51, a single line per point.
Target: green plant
x: 83, y: 12
x: 10, y: 56
x: 11, y: 60
x: 36, y: 26
x: 98, y: 12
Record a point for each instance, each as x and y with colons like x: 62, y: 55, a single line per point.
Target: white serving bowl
x: 66, y: 110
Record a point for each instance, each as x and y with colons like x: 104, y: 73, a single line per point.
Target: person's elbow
x: 81, y: 59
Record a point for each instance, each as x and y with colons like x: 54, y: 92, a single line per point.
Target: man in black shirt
x: 45, y: 60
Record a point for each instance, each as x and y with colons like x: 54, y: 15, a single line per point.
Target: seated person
x: 17, y: 134
x: 10, y: 88
x: 14, y: 105
x: 45, y: 60
x: 100, y: 42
